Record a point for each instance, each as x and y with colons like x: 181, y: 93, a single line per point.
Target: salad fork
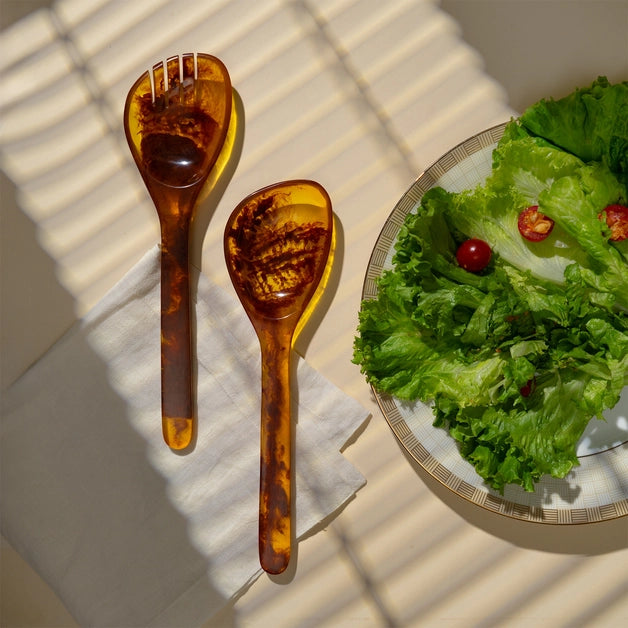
x: 176, y: 119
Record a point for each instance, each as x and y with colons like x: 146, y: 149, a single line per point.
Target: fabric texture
x: 125, y: 530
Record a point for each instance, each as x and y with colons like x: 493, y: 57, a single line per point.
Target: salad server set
x: 277, y: 246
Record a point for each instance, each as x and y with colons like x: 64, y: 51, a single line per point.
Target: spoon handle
x: 176, y: 346
x: 275, y: 533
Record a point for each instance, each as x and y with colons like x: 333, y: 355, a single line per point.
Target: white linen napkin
x: 126, y: 531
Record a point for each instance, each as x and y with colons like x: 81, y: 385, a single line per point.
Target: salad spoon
x: 277, y: 247
x: 176, y: 120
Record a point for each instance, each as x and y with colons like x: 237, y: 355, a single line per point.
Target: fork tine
x: 173, y: 72
x: 159, y: 86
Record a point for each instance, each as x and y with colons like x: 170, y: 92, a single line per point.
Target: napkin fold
x: 126, y: 531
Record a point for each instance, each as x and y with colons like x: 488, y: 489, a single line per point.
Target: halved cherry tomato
x: 474, y: 255
x: 617, y: 220
x: 533, y: 225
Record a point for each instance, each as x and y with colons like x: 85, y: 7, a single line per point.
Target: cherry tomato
x: 474, y: 255
x: 617, y: 220
x: 528, y: 388
x: 533, y: 225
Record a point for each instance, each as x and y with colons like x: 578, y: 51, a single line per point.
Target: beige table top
x: 361, y: 96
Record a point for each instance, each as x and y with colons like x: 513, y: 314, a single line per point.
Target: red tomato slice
x: 474, y: 255
x: 617, y: 220
x: 533, y: 225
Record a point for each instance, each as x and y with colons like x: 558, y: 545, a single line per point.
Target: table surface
x: 361, y: 96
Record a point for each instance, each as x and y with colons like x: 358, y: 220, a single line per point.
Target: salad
x: 506, y: 308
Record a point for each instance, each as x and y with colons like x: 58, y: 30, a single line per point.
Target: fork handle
x: 177, y: 408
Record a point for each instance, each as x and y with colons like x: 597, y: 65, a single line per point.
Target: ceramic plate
x: 597, y: 489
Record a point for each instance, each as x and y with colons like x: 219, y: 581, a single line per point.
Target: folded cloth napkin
x: 126, y: 531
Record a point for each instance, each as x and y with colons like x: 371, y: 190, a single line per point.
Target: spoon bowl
x: 176, y: 119
x: 277, y: 245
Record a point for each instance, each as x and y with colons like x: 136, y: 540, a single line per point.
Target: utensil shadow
x: 326, y: 292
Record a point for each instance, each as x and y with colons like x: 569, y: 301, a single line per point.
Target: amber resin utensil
x: 277, y: 245
x: 176, y: 119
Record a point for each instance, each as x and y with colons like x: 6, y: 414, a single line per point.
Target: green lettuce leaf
x: 591, y: 123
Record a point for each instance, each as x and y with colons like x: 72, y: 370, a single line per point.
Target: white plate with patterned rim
x: 597, y: 489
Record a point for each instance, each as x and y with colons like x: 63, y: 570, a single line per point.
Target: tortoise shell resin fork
x: 176, y: 119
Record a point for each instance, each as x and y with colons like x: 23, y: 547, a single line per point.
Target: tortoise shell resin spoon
x: 176, y: 121
x: 277, y: 244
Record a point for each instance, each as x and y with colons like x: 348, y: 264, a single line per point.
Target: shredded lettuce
x: 547, y: 317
